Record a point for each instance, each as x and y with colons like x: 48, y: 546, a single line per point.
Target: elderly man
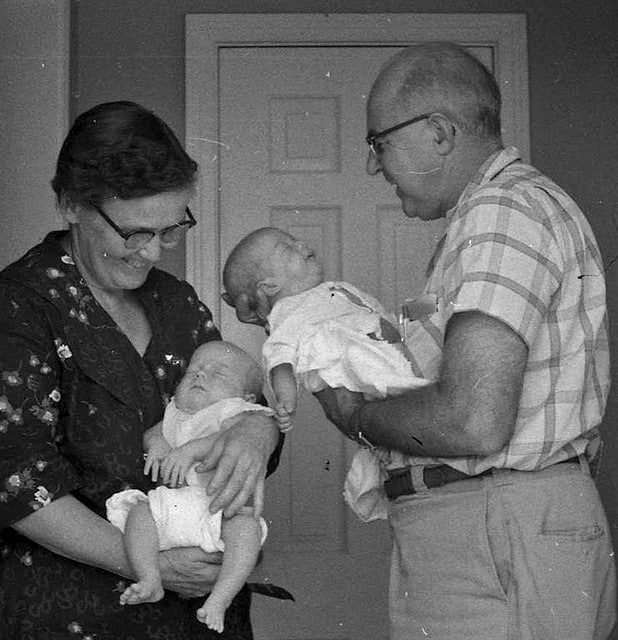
x: 497, y: 525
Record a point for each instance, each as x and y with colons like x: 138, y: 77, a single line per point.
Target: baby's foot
x: 212, y: 616
x: 142, y: 591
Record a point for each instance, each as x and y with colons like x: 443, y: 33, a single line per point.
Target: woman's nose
x: 152, y: 250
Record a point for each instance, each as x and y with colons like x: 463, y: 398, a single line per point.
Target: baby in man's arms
x: 323, y: 334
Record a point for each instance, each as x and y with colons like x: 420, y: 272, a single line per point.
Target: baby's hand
x: 175, y: 466
x: 283, y: 416
x: 157, y: 451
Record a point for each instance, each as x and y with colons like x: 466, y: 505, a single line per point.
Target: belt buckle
x: 399, y: 483
x: 441, y: 479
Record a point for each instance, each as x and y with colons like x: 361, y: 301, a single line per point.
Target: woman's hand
x: 239, y: 458
x: 189, y: 571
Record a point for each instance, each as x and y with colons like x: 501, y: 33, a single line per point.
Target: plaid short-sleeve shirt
x: 517, y: 248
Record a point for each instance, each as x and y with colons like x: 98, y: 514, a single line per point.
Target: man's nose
x: 373, y: 164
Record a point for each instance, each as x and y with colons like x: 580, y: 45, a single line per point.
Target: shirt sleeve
x: 32, y: 470
x: 504, y: 262
x: 276, y: 350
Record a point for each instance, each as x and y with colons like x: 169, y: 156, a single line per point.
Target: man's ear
x: 444, y: 133
x: 250, y: 397
x: 269, y: 286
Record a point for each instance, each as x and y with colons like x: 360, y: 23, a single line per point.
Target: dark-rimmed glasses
x: 372, y: 138
x: 138, y: 239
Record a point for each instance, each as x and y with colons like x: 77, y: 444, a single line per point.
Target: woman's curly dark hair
x: 120, y: 149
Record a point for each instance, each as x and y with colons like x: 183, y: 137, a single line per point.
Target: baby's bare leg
x: 242, y: 536
x: 141, y: 542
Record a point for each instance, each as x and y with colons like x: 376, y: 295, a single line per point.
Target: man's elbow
x: 490, y: 438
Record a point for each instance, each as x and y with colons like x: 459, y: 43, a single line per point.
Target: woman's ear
x: 250, y: 397
x: 69, y: 212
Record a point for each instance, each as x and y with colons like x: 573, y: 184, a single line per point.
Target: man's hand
x: 339, y: 406
x: 189, y: 571
x: 250, y: 310
x: 239, y: 458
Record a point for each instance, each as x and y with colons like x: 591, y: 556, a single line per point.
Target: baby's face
x: 215, y: 372
x: 294, y: 264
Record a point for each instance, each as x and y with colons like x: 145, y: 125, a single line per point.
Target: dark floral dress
x: 75, y: 398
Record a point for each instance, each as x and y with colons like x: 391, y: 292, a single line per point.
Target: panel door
x: 292, y: 155
x: 275, y: 115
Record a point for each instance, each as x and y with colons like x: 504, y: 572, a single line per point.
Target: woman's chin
x: 133, y: 276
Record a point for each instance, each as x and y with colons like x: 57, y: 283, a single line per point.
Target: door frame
x: 206, y: 34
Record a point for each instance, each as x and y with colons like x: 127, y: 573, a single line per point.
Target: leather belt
x: 399, y: 482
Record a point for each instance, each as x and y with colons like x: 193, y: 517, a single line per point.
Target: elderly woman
x: 93, y: 340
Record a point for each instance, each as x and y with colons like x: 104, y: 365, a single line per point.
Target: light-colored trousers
x: 510, y: 556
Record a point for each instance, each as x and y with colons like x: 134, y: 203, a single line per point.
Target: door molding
x: 206, y: 34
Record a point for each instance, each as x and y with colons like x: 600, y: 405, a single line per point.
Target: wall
x: 34, y: 114
x: 134, y: 50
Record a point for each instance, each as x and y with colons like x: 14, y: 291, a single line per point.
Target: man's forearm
x: 416, y: 424
x: 470, y: 410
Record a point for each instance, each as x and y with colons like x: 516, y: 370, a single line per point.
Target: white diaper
x: 181, y: 515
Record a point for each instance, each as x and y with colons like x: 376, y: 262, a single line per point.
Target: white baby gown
x: 333, y: 335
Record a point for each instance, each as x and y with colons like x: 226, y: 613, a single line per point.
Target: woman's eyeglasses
x: 135, y: 240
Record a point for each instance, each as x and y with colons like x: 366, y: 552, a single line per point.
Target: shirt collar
x: 494, y: 164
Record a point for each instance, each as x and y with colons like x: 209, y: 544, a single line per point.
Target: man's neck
x: 466, y: 163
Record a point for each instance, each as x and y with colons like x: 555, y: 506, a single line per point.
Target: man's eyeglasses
x: 134, y: 240
x: 372, y: 138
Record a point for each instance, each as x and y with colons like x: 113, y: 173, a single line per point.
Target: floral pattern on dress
x: 80, y: 300
x: 40, y: 400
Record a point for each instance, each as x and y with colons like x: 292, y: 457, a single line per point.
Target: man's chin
x: 410, y: 209
x: 413, y: 210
